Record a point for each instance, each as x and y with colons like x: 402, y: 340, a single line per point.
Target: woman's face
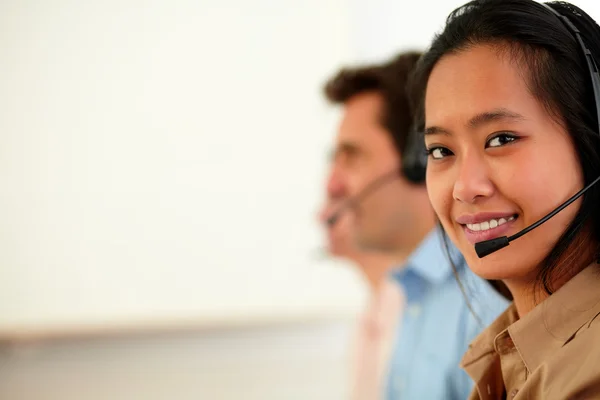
x: 498, y: 161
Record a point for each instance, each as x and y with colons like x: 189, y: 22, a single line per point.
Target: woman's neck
x: 525, y: 297
x: 529, y: 292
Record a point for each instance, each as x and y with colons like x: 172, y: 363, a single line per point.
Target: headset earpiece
x: 414, y: 157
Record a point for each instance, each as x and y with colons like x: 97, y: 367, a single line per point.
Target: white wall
x: 378, y: 28
x: 162, y: 161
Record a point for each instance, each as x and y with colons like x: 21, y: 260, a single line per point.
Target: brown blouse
x: 553, y: 352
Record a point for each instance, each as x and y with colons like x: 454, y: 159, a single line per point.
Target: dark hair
x: 390, y: 80
x: 557, y: 76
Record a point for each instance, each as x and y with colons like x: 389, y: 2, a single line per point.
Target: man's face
x: 364, y: 152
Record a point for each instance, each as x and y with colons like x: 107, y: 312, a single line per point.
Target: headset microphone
x: 365, y: 192
x: 490, y: 246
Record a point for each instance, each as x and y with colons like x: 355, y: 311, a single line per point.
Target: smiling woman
x: 488, y: 157
x: 512, y: 132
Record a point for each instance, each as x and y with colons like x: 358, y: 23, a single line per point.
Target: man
x: 391, y: 214
x: 373, y: 265
x: 375, y: 329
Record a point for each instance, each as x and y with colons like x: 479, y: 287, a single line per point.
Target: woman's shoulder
x: 574, y: 370
x: 563, y: 352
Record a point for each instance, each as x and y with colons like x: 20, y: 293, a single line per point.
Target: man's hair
x: 388, y: 79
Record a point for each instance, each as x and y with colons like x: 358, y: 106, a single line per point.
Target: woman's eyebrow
x: 486, y: 117
x: 499, y: 114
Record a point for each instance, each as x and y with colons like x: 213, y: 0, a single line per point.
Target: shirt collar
x: 429, y: 260
x: 547, y: 327
x: 426, y: 267
x: 551, y: 324
x: 478, y: 358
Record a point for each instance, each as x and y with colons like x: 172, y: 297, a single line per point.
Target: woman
x: 511, y: 130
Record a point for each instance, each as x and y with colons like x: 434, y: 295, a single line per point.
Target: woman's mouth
x: 488, y: 229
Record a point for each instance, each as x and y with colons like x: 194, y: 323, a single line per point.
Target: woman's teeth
x: 492, y: 223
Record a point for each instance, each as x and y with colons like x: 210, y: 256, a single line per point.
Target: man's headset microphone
x: 414, y: 162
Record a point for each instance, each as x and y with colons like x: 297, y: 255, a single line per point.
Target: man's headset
x: 414, y: 157
x: 413, y: 168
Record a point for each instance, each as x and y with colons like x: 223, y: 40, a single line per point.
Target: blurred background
x: 162, y: 164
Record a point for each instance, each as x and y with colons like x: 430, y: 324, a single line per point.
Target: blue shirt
x: 437, y: 325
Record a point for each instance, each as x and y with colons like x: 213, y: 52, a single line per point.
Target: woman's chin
x: 491, y: 267
x: 495, y: 266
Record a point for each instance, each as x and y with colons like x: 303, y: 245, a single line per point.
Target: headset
x: 413, y: 168
x: 414, y: 156
x: 490, y: 246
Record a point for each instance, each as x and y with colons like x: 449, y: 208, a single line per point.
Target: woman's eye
x: 437, y: 153
x: 501, y: 140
